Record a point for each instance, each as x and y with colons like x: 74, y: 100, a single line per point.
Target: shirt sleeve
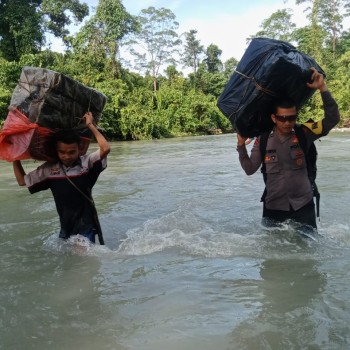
x: 94, y: 158
x: 250, y: 164
x: 36, y: 180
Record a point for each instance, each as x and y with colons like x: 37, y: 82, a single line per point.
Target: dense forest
x: 145, y: 100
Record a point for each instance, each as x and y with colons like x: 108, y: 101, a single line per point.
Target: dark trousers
x: 305, y: 215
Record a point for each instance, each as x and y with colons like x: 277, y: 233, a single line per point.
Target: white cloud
x: 229, y: 31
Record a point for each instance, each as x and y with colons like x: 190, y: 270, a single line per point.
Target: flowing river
x: 186, y: 265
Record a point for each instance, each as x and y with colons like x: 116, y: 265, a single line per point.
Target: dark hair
x: 283, y: 103
x: 67, y: 136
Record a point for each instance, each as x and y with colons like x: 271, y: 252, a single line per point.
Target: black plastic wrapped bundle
x: 54, y: 100
x: 269, y: 69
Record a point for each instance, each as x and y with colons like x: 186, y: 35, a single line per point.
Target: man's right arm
x: 249, y: 164
x: 19, y: 172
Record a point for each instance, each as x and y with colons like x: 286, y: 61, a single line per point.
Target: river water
x: 187, y: 264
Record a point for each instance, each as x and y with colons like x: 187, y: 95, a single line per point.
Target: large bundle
x: 43, y: 102
x: 269, y: 69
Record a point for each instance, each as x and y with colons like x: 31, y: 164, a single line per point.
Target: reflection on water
x: 288, y: 315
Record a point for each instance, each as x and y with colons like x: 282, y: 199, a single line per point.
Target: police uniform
x: 289, y: 192
x: 74, y: 210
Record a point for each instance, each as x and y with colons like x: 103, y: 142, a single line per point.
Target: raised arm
x: 19, y: 172
x: 102, y: 142
x: 250, y: 164
x: 331, y: 111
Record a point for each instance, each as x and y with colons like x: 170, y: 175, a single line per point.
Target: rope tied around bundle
x: 259, y: 87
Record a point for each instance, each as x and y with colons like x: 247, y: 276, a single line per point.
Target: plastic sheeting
x: 43, y: 102
x: 21, y: 139
x: 15, y: 137
x: 55, y: 100
x: 269, y: 69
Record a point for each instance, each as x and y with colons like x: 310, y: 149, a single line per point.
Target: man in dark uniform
x: 289, y: 193
x: 70, y: 180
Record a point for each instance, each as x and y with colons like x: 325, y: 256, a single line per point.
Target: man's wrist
x: 323, y: 88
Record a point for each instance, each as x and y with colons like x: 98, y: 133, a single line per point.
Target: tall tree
x: 192, y: 50
x: 106, y: 30
x: 332, y: 13
x: 56, y: 14
x: 313, y: 33
x: 17, y: 36
x: 23, y: 23
x: 229, y: 67
x: 278, y: 26
x: 157, y: 42
x: 212, y: 59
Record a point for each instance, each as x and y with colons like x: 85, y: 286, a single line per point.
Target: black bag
x: 269, y: 69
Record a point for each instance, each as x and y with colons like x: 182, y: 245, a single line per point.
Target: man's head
x: 284, y: 115
x: 67, y: 146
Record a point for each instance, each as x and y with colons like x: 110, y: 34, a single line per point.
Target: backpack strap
x: 262, y: 146
x: 311, y: 158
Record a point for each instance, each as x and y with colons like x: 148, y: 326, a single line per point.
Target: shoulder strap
x: 262, y: 146
x: 310, y: 152
x: 301, y: 137
x: 311, y: 158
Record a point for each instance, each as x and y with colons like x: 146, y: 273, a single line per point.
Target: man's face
x: 67, y: 153
x: 284, y: 119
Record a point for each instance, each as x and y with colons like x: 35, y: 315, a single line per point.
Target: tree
x: 332, y: 13
x: 56, y: 15
x: 278, y: 26
x: 17, y: 36
x: 340, y: 86
x: 344, y: 42
x: 229, y: 67
x: 157, y: 41
x: 114, y: 23
x: 212, y: 60
x: 23, y: 23
x: 172, y: 73
x: 311, y: 38
x: 99, y: 40
x: 192, y: 51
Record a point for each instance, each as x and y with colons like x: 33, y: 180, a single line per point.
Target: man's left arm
x: 331, y: 111
x: 102, y: 142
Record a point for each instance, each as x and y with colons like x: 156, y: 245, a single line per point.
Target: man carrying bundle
x: 284, y: 155
x: 71, y: 180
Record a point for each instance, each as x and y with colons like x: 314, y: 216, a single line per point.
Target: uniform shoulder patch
x: 314, y: 127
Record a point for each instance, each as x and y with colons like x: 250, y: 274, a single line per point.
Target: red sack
x: 16, y: 135
x: 21, y: 139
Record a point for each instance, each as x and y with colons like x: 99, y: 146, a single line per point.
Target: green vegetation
x: 143, y: 103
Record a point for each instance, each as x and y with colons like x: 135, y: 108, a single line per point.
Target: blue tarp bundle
x: 269, y: 69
